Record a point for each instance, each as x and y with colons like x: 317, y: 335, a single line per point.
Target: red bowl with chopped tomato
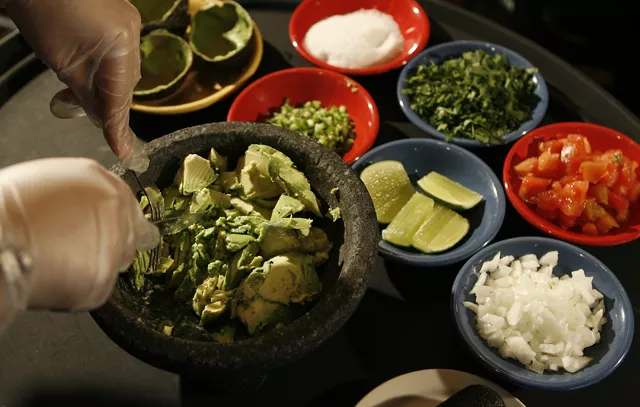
x: 578, y: 182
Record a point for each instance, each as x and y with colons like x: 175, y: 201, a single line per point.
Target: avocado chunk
x: 256, y: 185
x: 293, y: 182
x: 262, y: 315
x: 276, y: 166
x: 290, y: 277
x: 243, y: 207
x: 285, y: 207
x: 334, y: 214
x: 195, y: 173
x: 140, y: 267
x: 303, y: 225
x: 229, y: 182
x: 316, y: 241
x: 209, y: 302
x: 207, y: 199
x: 242, y: 264
x: 218, y: 162
x: 235, y: 242
x: 275, y: 239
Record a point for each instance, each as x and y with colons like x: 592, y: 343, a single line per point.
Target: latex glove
x: 94, y: 48
x: 80, y: 225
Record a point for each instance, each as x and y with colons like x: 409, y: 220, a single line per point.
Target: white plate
x: 428, y: 388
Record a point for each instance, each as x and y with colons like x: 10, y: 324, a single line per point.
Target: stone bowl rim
x: 269, y: 350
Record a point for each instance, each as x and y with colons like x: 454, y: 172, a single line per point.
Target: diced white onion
x: 530, y: 315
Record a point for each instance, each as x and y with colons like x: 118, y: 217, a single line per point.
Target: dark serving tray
x: 404, y: 322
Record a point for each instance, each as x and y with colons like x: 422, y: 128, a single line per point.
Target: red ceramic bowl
x: 264, y: 96
x: 411, y: 18
x: 600, y: 138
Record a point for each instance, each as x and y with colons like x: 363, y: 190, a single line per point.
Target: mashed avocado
x: 249, y: 260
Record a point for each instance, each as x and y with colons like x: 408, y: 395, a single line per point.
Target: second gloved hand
x: 94, y: 48
x: 79, y: 223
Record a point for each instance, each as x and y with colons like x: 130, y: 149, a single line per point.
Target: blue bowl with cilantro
x: 472, y: 93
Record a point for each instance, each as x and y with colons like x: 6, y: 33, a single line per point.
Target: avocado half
x: 165, y: 60
x: 220, y: 30
x: 171, y: 15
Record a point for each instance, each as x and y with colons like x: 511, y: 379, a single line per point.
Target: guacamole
x: 252, y: 257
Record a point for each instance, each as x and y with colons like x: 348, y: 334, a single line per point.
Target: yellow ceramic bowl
x: 206, y: 84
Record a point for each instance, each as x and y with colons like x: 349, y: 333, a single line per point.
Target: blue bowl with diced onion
x: 616, y: 333
x: 437, y: 54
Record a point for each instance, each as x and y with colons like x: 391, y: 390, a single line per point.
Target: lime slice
x: 441, y: 230
x: 389, y: 187
x: 448, y: 191
x: 406, y: 223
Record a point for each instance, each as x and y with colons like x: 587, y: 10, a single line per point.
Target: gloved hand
x: 80, y: 225
x: 94, y: 48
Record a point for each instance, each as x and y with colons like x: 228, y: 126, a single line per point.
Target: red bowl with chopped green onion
x: 264, y: 97
x: 570, y: 171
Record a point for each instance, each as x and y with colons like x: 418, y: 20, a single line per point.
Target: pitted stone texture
x: 344, y: 278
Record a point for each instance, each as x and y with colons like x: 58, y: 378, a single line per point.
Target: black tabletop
x: 404, y: 322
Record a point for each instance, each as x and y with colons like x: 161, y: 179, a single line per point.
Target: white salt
x: 360, y: 39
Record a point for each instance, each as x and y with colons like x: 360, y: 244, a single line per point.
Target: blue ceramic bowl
x: 421, y: 156
x: 439, y: 53
x: 616, y: 335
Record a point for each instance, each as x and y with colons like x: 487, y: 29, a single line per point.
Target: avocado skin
x: 176, y: 23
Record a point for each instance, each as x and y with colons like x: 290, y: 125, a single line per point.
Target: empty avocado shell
x: 171, y: 15
x: 220, y: 30
x: 165, y: 60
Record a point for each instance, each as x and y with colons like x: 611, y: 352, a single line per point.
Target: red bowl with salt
x: 601, y: 139
x: 411, y: 18
x: 265, y: 96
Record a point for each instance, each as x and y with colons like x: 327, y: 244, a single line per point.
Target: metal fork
x: 65, y: 106
x: 156, y: 204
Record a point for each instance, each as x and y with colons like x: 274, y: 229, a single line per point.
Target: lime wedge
x: 448, y: 191
x: 389, y: 187
x: 406, y: 223
x: 441, y: 230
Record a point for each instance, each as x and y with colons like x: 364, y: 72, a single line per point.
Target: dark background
x: 595, y: 36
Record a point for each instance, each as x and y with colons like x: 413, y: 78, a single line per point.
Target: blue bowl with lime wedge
x: 420, y: 157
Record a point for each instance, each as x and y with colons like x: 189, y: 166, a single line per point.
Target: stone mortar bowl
x: 243, y: 364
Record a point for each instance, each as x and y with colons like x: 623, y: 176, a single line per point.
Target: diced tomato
x: 634, y: 193
x: 549, y: 165
x: 621, y: 190
x: 610, y: 177
x: 613, y: 157
x: 531, y: 186
x: 567, y: 222
x: 548, y: 200
x: 592, y: 171
x: 622, y: 216
x: 553, y: 146
x: 568, y: 179
x: 606, y: 223
x: 573, y: 164
x: 601, y: 193
x: 578, y: 188
x: 593, y: 211
x: 548, y: 215
x: 618, y: 202
x: 556, y: 187
x: 590, y: 229
x: 574, y: 198
x: 573, y: 147
x: 527, y: 166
